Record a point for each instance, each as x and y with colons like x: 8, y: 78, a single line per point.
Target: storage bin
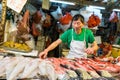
x: 115, y: 51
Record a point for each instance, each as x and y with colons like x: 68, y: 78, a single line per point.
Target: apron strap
x: 72, y: 34
x: 84, y: 34
x: 85, y: 37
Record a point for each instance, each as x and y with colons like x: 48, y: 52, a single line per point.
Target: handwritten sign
x: 16, y: 5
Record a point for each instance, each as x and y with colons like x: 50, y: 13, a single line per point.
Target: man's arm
x: 53, y: 45
x: 49, y: 48
x: 91, y: 50
x: 95, y: 46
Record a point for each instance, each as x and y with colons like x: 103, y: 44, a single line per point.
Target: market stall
x: 29, y: 30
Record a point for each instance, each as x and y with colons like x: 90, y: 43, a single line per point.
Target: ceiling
x: 108, y: 4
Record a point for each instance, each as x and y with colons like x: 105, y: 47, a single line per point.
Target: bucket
x: 115, y: 51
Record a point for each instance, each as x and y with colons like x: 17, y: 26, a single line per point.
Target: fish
x: 3, y: 63
x: 10, y: 66
x: 30, y: 67
x: 18, y: 68
x: 42, y: 67
x: 46, y: 69
x: 51, y: 71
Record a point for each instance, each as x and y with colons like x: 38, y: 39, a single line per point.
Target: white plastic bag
x: 64, y: 27
x: 74, y: 12
x: 57, y: 14
x: 59, y: 11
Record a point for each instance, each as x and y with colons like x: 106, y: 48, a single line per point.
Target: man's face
x: 77, y: 24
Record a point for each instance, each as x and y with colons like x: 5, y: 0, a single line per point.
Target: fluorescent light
x: 116, y: 10
x: 63, y: 2
x: 97, y: 7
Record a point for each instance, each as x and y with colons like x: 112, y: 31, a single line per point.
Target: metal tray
x: 14, y: 49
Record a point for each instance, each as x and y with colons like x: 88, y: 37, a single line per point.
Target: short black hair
x: 75, y: 18
x: 78, y: 16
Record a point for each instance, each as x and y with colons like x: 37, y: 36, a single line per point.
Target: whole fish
x: 3, y: 63
x: 18, y: 68
x: 30, y: 67
x: 10, y: 66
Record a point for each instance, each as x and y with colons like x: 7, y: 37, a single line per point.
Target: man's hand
x: 43, y: 54
x: 89, y: 51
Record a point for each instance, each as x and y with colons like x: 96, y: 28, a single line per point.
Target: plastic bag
x: 74, y: 12
x: 64, y: 27
x: 57, y: 14
x: 59, y: 11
